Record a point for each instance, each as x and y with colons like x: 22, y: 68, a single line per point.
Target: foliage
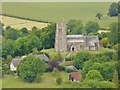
x: 59, y: 80
x: 31, y: 67
x: 92, y: 27
x: 23, y: 32
x: 114, y: 33
x: 115, y: 79
x: 75, y: 27
x: 80, y: 58
x: 99, y: 15
x: 94, y: 75
x: 105, y: 42
x: 113, y: 9
x: 57, y: 57
x: 11, y: 34
x: 7, y: 47
x: 117, y: 66
x: 107, y: 84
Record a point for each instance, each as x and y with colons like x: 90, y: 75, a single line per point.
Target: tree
x: 94, y: 75
x: 11, y: 34
x: 114, y: 33
x: 80, y: 58
x: 30, y: 68
x: 99, y: 15
x: 92, y: 27
x: 117, y: 66
x: 105, y: 42
x: 113, y: 9
x: 115, y: 79
x: 23, y: 32
x: 75, y: 27
x: 59, y: 80
x: 57, y: 57
x: 7, y: 48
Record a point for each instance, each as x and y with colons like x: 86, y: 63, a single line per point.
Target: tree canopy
x: 30, y: 68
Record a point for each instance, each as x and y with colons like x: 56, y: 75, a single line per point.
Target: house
x: 43, y: 56
x: 14, y: 64
x: 75, y: 76
x: 15, y: 61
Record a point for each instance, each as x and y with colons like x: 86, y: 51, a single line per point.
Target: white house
x: 14, y: 64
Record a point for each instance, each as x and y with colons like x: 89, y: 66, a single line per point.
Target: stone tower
x: 60, y: 37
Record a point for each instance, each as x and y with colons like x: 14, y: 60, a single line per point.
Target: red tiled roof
x: 75, y: 75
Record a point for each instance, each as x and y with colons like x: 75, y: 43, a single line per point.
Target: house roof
x: 15, y: 62
x: 43, y: 56
x: 75, y: 75
x: 75, y: 41
x: 75, y: 36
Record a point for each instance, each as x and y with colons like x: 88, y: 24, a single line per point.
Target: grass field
x: 20, y: 23
x: 49, y: 81
x: 57, y: 11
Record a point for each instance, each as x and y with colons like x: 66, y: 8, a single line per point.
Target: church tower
x: 60, y: 37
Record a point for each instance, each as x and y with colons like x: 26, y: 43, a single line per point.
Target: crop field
x: 20, y: 23
x: 54, y: 12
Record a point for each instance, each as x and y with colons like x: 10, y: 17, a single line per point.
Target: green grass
x: 56, y: 11
x: 52, y: 52
x: 49, y: 81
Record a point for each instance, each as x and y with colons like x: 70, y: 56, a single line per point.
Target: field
x: 49, y: 81
x: 55, y: 12
x: 20, y: 23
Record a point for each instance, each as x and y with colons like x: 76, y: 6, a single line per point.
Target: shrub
x: 59, y: 80
x: 94, y: 75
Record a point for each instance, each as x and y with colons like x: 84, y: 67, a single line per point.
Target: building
x: 75, y: 76
x: 64, y: 42
x: 15, y: 62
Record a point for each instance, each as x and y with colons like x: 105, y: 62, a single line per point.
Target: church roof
x: 75, y: 41
x: 75, y: 36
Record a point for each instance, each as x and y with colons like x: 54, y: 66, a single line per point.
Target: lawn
x: 49, y: 81
x: 54, y: 11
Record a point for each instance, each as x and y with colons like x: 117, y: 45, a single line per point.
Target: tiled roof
x: 43, y: 56
x: 74, y: 36
x: 75, y: 75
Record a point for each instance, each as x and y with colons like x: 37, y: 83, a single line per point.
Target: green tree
x: 7, y: 48
x: 117, y: 66
x: 94, y: 75
x: 92, y: 27
x: 11, y: 34
x: 23, y: 32
x: 114, y: 33
x: 99, y: 15
x: 80, y: 58
x: 59, y: 80
x: 75, y: 27
x: 57, y: 57
x: 30, y: 68
x: 105, y: 42
x: 113, y: 9
x: 115, y: 79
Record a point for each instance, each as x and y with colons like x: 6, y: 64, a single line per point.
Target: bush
x: 94, y: 75
x: 49, y: 69
x: 59, y: 80
x: 68, y: 70
x: 80, y: 58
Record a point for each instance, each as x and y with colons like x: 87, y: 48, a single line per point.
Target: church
x: 64, y: 42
